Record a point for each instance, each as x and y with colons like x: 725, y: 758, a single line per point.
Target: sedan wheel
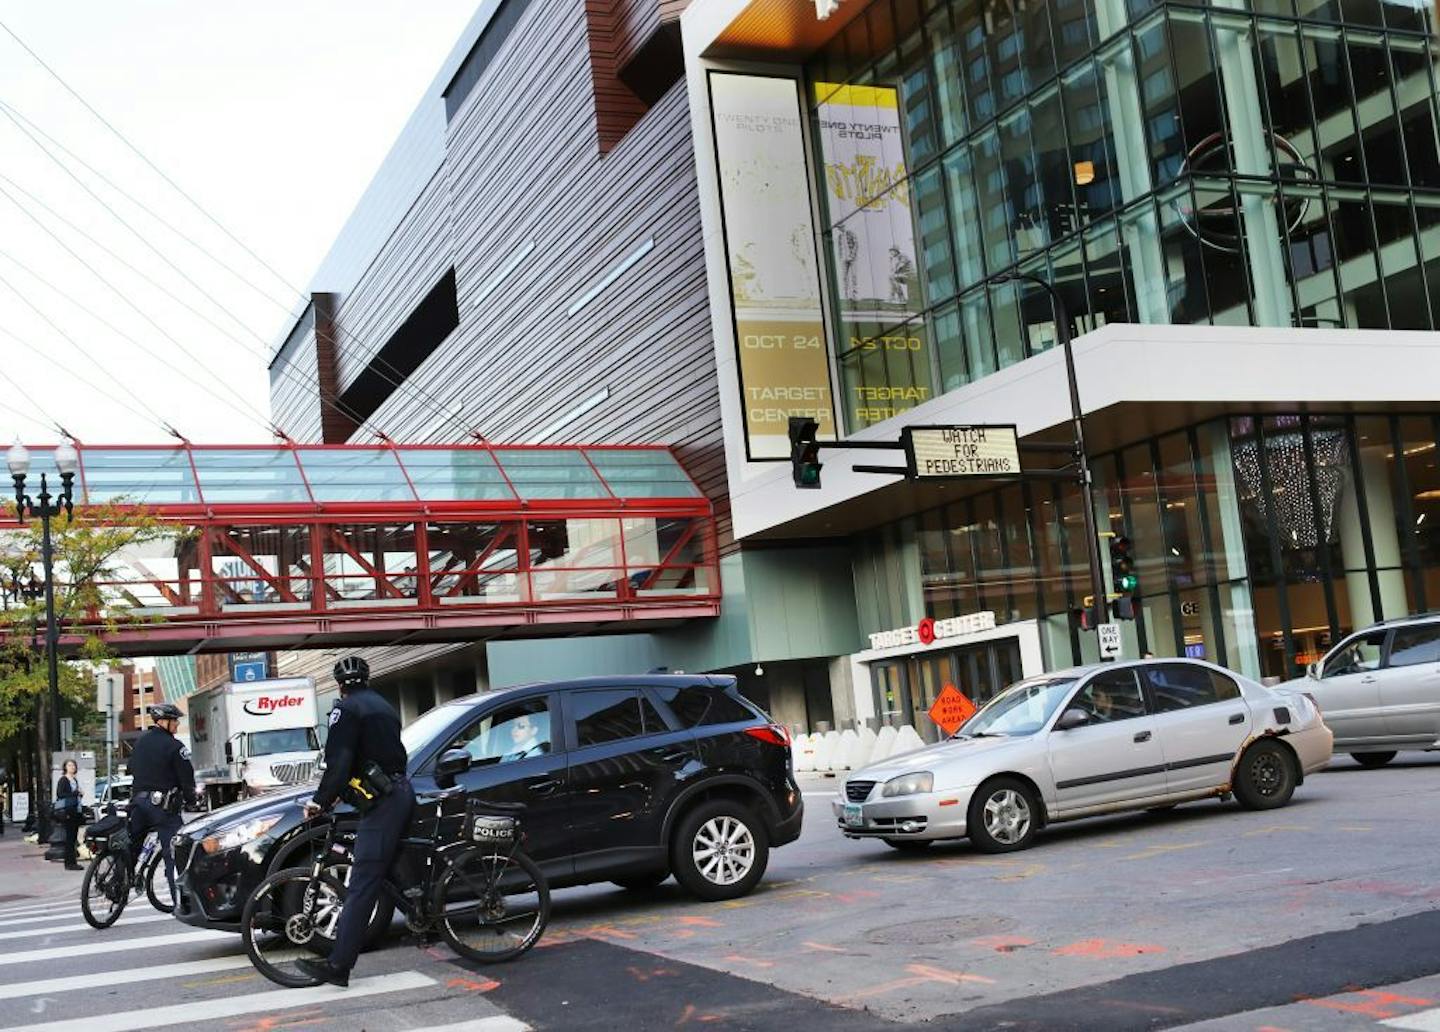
x: 1265, y: 778
x: 1003, y: 816
x: 1371, y: 760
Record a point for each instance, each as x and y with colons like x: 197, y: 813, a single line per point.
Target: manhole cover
x: 940, y: 930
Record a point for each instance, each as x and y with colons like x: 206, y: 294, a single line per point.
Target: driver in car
x: 525, y: 739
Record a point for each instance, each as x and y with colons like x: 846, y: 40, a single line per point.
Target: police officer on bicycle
x: 164, y: 780
x: 365, y: 764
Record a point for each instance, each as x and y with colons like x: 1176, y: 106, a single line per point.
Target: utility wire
x: 399, y: 382
x: 148, y: 415
x: 140, y: 312
x: 396, y: 380
x: 20, y: 392
x: 140, y: 154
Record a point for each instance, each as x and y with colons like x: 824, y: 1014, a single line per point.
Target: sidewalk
x: 25, y: 873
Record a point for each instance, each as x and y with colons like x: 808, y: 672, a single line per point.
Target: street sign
x: 951, y: 709
x: 1109, y: 640
x: 961, y: 451
x: 248, y: 666
x: 19, y: 806
x: 67, y: 731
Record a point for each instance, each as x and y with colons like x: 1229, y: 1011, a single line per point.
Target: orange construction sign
x: 952, y: 708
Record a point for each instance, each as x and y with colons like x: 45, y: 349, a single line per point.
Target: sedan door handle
x: 1142, y: 736
x: 543, y: 786
x: 1237, y: 718
x: 1368, y: 679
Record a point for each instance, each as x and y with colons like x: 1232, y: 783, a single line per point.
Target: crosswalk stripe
x: 30, y: 933
x: 69, y: 908
x: 83, y: 949
x: 210, y: 1010
x: 495, y: 1023
x: 59, y: 903
x: 100, y: 979
x: 1420, y: 1021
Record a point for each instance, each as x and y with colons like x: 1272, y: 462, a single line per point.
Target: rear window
x: 699, y: 705
x: 1177, y: 686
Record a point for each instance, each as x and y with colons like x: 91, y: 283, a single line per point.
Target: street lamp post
x: 1077, y: 421
x: 44, y: 507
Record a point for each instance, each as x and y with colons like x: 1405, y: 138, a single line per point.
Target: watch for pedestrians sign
x: 951, y: 709
x: 1109, y: 640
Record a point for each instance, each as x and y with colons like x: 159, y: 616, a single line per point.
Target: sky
x: 272, y: 114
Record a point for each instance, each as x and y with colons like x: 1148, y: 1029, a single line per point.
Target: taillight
x: 774, y: 734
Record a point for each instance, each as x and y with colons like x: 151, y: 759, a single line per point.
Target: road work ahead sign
x: 961, y: 451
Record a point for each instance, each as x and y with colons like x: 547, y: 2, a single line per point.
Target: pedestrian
x: 164, y: 780
x: 365, y: 746
x: 67, y: 810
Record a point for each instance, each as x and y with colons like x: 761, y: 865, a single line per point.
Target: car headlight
x: 910, y: 784
x: 234, y: 835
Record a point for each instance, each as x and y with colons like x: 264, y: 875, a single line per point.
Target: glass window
x: 934, y: 230
x: 946, y: 75
x: 642, y: 473
x: 514, y: 732
x: 969, y: 246
x: 701, y: 705
x: 1417, y: 101
x: 547, y: 473
x: 454, y: 474
x: 1357, y: 655
x: 1177, y: 686
x: 576, y: 558
x: 149, y: 476
x: 612, y: 715
x: 1415, y: 645
x: 355, y: 475
x: 1110, y: 696
x: 236, y: 475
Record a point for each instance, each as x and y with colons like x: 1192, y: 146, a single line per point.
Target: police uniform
x: 365, y: 728
x: 160, y: 765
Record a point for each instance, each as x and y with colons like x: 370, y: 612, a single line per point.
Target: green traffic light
x: 809, y: 474
x: 1129, y: 582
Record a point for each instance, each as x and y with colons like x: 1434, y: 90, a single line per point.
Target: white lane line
x: 100, y: 979
x: 30, y: 933
x: 1421, y: 1021
x: 211, y: 1010
x: 497, y: 1023
x: 85, y: 949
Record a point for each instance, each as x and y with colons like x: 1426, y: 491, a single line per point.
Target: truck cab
x: 273, y: 758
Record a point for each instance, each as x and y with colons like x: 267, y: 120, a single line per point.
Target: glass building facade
x: 1256, y: 162
x: 1258, y: 541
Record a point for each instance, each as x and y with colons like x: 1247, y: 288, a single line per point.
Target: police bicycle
x: 477, y: 889
x: 111, y: 877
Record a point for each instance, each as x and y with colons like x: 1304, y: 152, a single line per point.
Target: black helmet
x: 352, y: 670
x: 164, y: 711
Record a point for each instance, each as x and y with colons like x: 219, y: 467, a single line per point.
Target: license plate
x: 853, y: 816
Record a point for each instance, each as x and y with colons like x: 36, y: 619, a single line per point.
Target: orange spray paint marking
x: 270, y: 1023
x: 1105, y: 949
x: 735, y: 958
x: 644, y: 976
x: 694, y: 921
x: 472, y: 986
x: 1375, y: 1004
x: 822, y: 946
x: 691, y: 1014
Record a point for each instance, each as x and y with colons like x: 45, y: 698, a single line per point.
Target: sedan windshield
x: 1021, y: 709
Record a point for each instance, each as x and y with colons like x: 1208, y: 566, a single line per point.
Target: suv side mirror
x: 1071, y: 719
x: 451, y: 762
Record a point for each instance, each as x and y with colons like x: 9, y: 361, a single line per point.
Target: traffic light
x: 805, y: 464
x: 1123, y: 577
x: 1088, y: 617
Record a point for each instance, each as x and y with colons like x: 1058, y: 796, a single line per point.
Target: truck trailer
x: 252, y: 737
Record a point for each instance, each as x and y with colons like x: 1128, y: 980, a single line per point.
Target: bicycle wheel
x: 288, y: 917
x: 105, y: 889
x: 492, y: 906
x: 157, y: 888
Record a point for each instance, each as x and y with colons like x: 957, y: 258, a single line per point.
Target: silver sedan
x: 1097, y: 739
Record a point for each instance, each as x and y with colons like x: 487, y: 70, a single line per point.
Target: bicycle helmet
x: 352, y: 670
x: 163, y: 711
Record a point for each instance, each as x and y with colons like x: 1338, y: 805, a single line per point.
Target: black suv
x: 625, y: 779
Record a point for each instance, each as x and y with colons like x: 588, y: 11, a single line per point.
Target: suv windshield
x: 283, y: 740
x: 1021, y: 709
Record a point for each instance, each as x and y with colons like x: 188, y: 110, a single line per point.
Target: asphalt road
x: 1318, y: 917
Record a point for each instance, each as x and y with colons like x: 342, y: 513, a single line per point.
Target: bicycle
x: 111, y: 876
x: 484, y: 896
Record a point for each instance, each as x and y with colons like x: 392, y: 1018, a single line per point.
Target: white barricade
x: 840, y: 759
x: 825, y: 750
x: 907, y: 739
x: 803, y: 749
x: 884, y: 744
x: 864, y: 749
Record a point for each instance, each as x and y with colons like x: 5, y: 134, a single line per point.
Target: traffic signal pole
x: 1077, y: 422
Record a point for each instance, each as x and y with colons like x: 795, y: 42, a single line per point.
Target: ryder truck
x: 251, y: 737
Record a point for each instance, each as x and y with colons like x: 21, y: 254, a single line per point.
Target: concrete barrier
x: 863, y: 750
x: 907, y: 739
x: 843, y: 757
x: 803, y: 750
x: 825, y: 750
x: 884, y: 744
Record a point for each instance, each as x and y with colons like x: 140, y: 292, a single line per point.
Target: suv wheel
x: 720, y: 850
x: 1372, y: 760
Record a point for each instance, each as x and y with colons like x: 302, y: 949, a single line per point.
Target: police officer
x: 164, y: 780
x: 364, y: 743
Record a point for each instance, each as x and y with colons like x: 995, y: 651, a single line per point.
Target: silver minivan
x: 1379, y: 689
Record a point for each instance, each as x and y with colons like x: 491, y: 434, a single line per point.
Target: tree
x: 91, y: 570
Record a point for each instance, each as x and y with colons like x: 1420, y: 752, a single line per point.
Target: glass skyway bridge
x: 293, y: 546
